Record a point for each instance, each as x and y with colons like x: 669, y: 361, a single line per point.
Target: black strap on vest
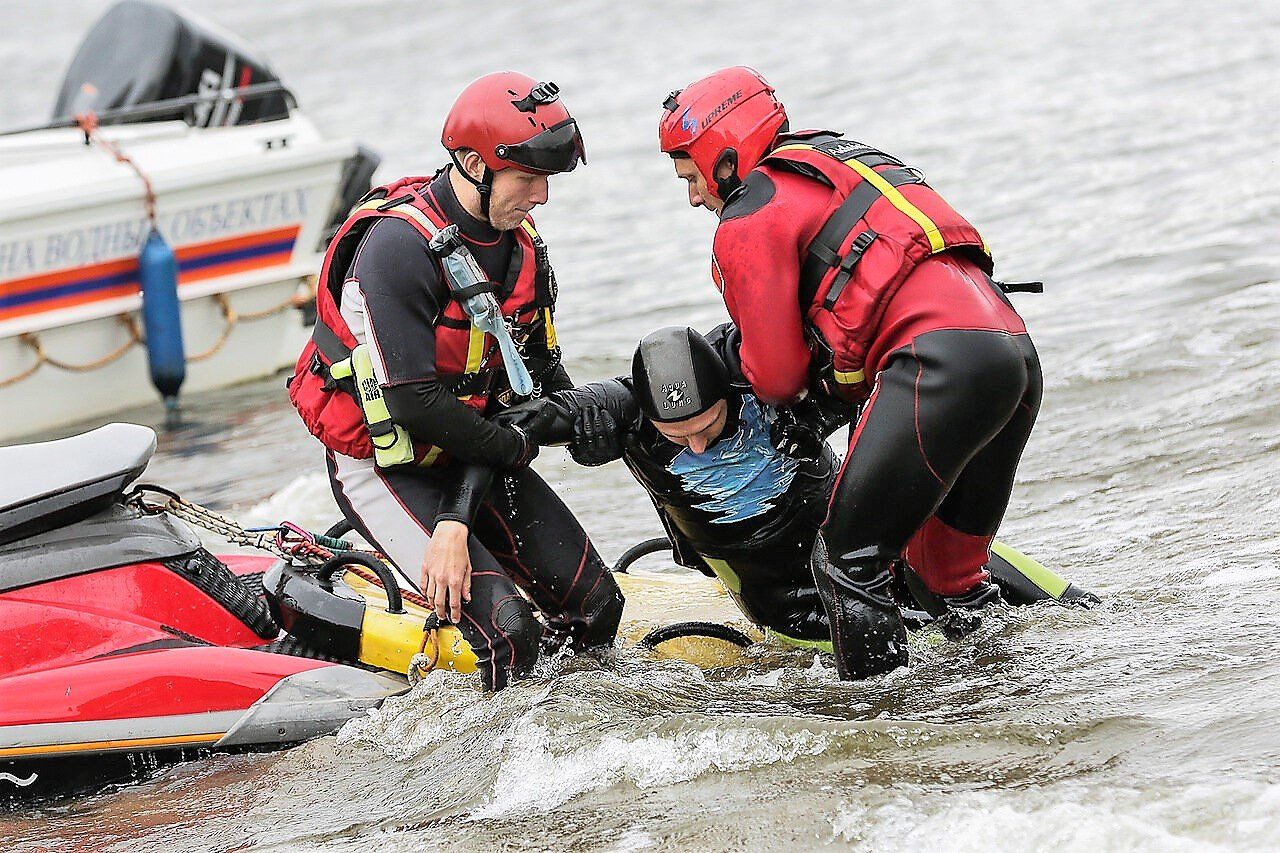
x: 328, y: 342
x: 462, y: 294
x: 1021, y: 286
x: 824, y: 252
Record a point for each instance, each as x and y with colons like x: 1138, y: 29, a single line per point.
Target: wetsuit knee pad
x: 515, y: 620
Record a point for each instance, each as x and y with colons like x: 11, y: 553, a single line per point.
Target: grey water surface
x: 1124, y: 153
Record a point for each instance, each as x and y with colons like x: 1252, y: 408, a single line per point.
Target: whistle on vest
x: 468, y: 285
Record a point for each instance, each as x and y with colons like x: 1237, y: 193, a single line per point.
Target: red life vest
x: 883, y: 221
x: 467, y: 359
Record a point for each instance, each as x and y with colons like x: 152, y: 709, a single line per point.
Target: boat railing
x: 153, y: 109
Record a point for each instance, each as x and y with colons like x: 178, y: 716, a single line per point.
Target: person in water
x: 733, y: 504
x: 397, y: 383
x: 851, y: 279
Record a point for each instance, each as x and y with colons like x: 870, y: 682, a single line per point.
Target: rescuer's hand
x: 446, y: 570
x: 535, y: 418
x: 596, y: 437
x: 526, y: 449
x: 795, y: 438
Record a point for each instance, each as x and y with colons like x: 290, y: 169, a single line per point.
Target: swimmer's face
x: 698, y: 432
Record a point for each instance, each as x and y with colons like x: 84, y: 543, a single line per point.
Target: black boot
x: 961, y: 618
x: 866, y: 626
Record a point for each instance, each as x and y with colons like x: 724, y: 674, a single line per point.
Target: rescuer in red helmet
x: 403, y: 371
x: 851, y: 279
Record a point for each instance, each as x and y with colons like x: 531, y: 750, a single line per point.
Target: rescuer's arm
x: 591, y: 419
x: 446, y: 566
x: 403, y: 296
x: 756, y: 265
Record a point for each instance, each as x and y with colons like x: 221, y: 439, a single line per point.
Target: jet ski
x: 126, y: 644
x: 121, y: 635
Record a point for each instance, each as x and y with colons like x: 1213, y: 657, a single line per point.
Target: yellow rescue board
x: 391, y: 640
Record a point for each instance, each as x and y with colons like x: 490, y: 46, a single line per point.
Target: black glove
x: 731, y: 352
x: 596, y: 437
x: 534, y: 418
x: 527, y: 449
x: 794, y: 438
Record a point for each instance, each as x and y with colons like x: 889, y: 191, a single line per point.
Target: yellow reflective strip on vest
x: 529, y: 229
x: 432, y: 455
x: 849, y: 377
x: 551, y: 329
x: 898, y: 200
x: 475, y: 350
x: 795, y: 146
x: 417, y: 216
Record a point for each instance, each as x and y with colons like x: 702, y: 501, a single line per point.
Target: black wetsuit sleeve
x: 432, y: 414
x: 403, y: 294
x: 613, y: 395
x: 462, y: 493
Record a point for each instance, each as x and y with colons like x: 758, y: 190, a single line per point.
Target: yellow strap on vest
x: 895, y: 197
x: 551, y: 329
x: 849, y: 377
x: 898, y: 200
x: 403, y: 208
x: 475, y: 349
x: 529, y: 229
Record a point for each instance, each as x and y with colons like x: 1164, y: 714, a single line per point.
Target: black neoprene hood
x: 677, y: 375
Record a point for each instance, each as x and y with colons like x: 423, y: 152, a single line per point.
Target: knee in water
x: 515, y: 620
x: 603, y: 611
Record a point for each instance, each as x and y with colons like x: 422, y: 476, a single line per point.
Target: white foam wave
x: 1241, y: 575
x: 1233, y: 815
x: 306, y: 500
x: 535, y: 776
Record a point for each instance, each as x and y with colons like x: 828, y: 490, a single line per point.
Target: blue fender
x: 162, y: 317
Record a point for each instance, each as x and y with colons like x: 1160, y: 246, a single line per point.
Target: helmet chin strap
x: 484, y: 186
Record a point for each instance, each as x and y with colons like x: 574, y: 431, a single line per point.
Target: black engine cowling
x: 141, y: 52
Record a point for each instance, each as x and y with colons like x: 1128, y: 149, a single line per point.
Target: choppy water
x: 1126, y: 153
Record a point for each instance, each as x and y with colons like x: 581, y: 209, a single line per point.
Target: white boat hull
x: 243, y: 208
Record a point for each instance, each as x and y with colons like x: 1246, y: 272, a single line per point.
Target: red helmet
x: 513, y: 121
x: 729, y: 116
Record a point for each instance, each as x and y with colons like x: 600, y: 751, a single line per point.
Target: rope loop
x: 88, y: 122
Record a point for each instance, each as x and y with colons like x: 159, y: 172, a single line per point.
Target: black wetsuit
x: 740, y: 511
x: 523, y: 537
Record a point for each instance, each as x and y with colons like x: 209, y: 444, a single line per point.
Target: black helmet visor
x: 556, y: 149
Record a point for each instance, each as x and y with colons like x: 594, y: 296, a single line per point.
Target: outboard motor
x: 142, y: 52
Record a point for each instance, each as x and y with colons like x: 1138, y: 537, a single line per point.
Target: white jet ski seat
x: 57, y: 482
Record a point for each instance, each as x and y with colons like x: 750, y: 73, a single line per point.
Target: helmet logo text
x: 724, y: 105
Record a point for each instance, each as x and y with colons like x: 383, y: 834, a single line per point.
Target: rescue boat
x: 165, y: 124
